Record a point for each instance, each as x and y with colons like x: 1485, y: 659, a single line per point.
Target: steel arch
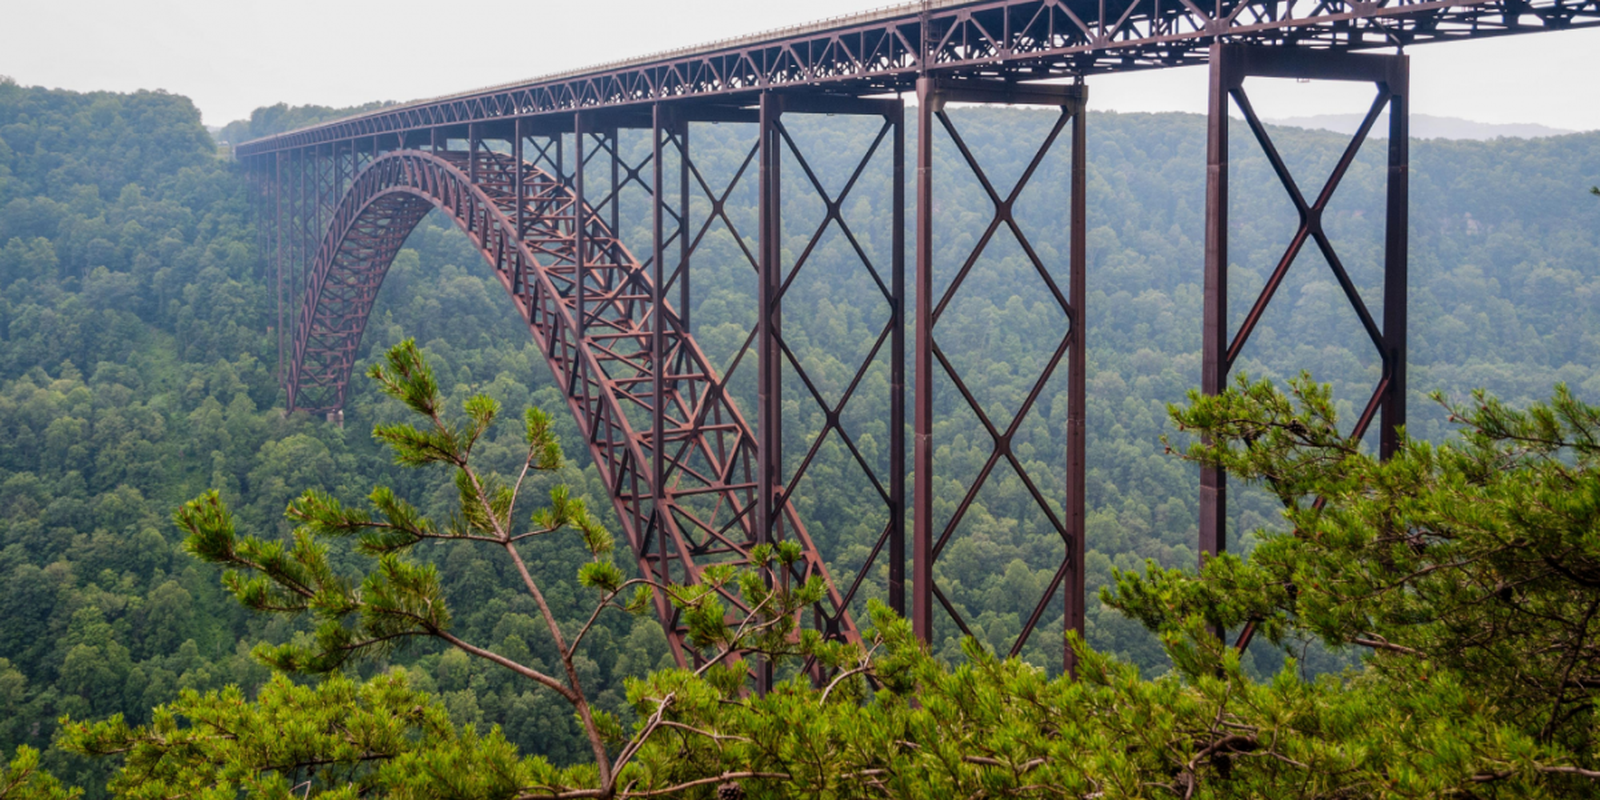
x: 704, y: 509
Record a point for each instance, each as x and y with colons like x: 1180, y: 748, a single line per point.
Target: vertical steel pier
x: 928, y: 539
x: 1230, y: 65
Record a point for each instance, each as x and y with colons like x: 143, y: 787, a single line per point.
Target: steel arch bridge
x: 708, y: 448
x: 693, y: 482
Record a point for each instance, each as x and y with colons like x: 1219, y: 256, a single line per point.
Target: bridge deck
x: 886, y: 49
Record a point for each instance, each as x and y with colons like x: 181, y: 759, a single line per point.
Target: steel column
x: 684, y: 304
x: 616, y: 194
x: 769, y: 431
x: 897, y: 373
x: 922, y: 369
x: 769, y: 417
x: 579, y: 222
x: 1077, y: 373
x: 658, y: 345
x: 1396, y: 244
x: 517, y: 177
x: 1214, y: 312
x: 655, y: 543
x: 303, y: 216
x: 277, y: 253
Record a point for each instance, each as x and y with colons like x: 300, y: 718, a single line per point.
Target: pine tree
x: 341, y: 737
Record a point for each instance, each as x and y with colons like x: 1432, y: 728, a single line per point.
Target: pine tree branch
x: 718, y: 737
x: 1379, y: 643
x: 723, y: 778
x: 521, y: 669
x: 530, y: 534
x: 607, y: 603
x: 576, y: 697
x: 639, y: 741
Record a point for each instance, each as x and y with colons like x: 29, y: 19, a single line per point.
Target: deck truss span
x: 1011, y: 39
x: 705, y: 511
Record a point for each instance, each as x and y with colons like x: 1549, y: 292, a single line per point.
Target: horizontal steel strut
x: 701, y: 507
x: 1015, y: 40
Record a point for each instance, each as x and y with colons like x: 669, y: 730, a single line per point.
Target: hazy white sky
x: 231, y: 56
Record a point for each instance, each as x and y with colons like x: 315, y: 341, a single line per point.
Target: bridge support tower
x: 1230, y: 65
x: 928, y: 538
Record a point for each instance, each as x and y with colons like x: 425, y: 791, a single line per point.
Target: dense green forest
x: 137, y: 371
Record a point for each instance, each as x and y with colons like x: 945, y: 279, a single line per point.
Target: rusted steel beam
x: 653, y: 544
x: 1214, y: 311
x: 922, y: 370
x: 769, y: 319
x: 897, y: 369
x: 1075, y: 590
x: 1397, y: 226
x: 277, y: 254
x: 580, y: 221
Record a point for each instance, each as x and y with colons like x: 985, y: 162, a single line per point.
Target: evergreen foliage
x: 279, y: 742
x: 22, y: 778
x: 1463, y: 569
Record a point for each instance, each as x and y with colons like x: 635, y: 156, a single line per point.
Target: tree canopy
x: 1463, y: 570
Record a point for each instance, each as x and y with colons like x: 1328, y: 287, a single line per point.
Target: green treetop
x: 1466, y: 571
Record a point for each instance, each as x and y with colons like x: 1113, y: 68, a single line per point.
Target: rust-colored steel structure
x: 930, y: 538
x: 1390, y: 75
x: 601, y: 321
x: 694, y: 483
x: 1013, y: 40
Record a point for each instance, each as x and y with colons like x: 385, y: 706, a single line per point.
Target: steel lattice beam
x: 1013, y: 39
x: 929, y: 540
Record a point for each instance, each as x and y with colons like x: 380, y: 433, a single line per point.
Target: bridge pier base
x: 1230, y: 66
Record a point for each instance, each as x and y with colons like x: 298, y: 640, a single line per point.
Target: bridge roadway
x: 692, y: 481
x: 1016, y: 40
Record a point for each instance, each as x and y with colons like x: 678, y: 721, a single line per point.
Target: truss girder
x: 1015, y: 39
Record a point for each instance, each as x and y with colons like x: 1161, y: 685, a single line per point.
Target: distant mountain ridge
x: 1426, y: 126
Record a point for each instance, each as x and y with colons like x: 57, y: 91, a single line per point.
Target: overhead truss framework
x: 1006, y: 39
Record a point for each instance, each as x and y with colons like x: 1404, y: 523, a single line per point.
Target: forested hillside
x: 137, y: 359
